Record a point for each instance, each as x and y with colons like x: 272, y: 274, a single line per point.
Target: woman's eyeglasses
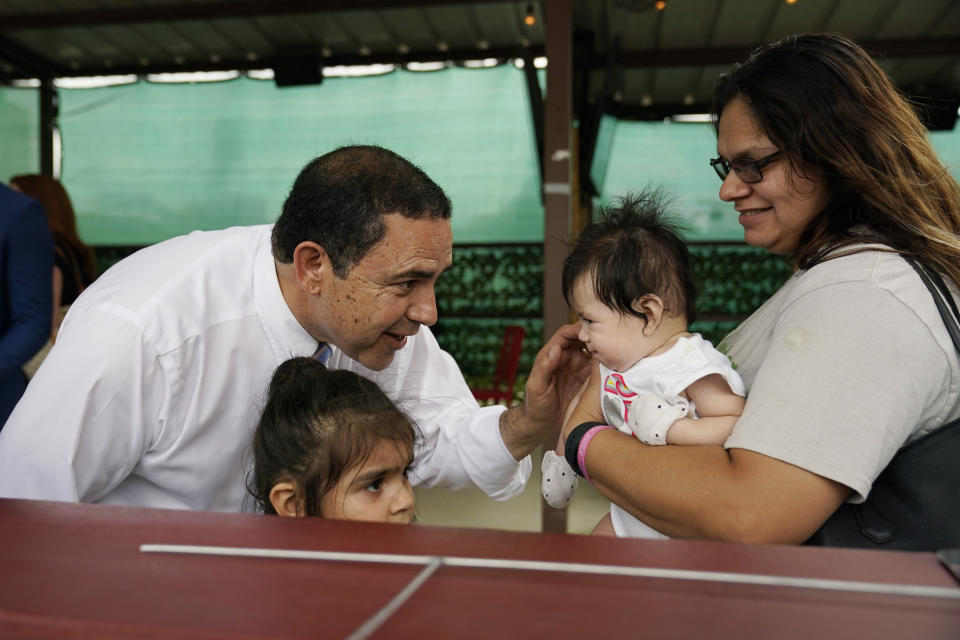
x: 747, y: 169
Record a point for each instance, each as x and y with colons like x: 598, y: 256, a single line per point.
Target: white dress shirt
x: 160, y: 371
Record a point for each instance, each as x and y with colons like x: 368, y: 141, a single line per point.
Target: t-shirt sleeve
x: 850, y: 372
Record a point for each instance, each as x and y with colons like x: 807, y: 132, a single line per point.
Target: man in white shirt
x: 160, y: 370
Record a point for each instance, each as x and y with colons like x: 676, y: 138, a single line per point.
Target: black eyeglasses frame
x: 747, y: 169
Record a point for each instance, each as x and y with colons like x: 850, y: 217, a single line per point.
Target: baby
x: 630, y: 281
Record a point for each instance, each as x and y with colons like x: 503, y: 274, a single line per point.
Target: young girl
x: 629, y: 280
x: 331, y: 444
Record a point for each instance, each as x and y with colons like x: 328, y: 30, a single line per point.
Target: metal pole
x: 49, y: 108
x: 557, y: 191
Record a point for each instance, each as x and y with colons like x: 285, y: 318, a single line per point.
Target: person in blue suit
x: 26, y: 298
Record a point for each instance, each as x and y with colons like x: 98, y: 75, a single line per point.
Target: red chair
x: 506, y: 372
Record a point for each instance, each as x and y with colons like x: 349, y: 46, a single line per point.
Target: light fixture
x: 691, y: 117
x: 530, y: 18
x: 435, y: 65
x: 791, y: 1
x: 94, y: 82
x: 192, y: 77
x: 660, y: 5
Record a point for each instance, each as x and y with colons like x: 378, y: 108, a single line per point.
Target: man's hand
x: 557, y: 375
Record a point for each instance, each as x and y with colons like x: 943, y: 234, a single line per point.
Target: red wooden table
x: 69, y: 570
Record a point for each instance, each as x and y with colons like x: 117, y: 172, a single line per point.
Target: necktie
x: 322, y: 353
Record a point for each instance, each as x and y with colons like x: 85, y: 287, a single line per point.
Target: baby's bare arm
x: 718, y: 407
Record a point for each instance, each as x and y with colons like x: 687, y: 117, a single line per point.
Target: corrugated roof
x: 642, y: 61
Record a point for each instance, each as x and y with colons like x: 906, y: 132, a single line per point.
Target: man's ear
x: 313, y: 266
x: 651, y: 306
x: 283, y: 497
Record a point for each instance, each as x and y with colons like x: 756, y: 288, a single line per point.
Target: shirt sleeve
x: 850, y: 373
x: 79, y: 446
x: 28, y: 270
x: 460, y: 443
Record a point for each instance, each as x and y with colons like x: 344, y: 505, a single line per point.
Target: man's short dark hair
x: 632, y: 250
x: 340, y: 198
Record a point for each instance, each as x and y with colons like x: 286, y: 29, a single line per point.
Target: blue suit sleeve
x: 28, y: 271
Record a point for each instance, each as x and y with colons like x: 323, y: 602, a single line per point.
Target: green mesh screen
x: 673, y: 156
x: 947, y: 145
x: 19, y: 131
x: 145, y: 162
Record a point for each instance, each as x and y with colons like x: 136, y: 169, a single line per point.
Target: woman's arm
x: 705, y: 491
x: 712, y: 493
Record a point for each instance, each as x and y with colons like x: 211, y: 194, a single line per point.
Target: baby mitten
x: 558, y: 480
x: 650, y: 417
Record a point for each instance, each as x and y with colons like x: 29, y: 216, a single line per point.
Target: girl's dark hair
x: 824, y: 102
x: 634, y: 249
x: 316, y: 425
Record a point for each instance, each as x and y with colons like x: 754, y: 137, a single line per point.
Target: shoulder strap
x: 942, y: 298
x: 912, y: 505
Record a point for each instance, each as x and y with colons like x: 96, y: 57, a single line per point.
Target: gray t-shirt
x: 847, y: 362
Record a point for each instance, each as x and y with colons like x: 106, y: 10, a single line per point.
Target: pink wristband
x: 582, y: 449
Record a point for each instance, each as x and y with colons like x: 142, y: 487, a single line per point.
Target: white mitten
x: 558, y: 480
x: 650, y: 417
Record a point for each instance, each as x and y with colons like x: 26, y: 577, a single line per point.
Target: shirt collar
x: 287, y: 337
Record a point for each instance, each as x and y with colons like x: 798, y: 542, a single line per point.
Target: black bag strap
x: 951, y: 319
x: 942, y: 298
x: 912, y: 505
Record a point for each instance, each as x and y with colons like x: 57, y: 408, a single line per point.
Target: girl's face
x: 774, y: 211
x: 616, y: 339
x: 376, y: 490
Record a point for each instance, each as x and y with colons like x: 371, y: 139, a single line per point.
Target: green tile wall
x: 492, y: 286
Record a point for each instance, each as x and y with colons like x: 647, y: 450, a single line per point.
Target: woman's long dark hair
x: 825, y: 103
x: 60, y: 218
